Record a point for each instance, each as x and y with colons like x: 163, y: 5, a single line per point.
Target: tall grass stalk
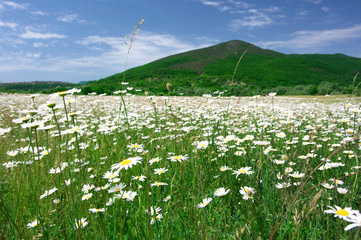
x: 235, y: 69
x: 130, y: 44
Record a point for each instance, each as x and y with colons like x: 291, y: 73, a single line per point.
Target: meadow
x: 211, y: 167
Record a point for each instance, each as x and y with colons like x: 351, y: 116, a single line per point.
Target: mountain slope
x: 37, y: 86
x: 210, y: 69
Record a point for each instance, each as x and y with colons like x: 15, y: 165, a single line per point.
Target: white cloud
x: 302, y: 12
x: 240, y: 4
x: 207, y: 40
x: 257, y: 19
x: 114, y: 42
x: 314, y: 1
x: 33, y: 55
x: 326, y: 9
x: 39, y: 45
x: 39, y: 13
x: 8, y: 24
x: 147, y: 47
x: 272, y: 9
x: 109, y: 59
x: 230, y: 6
x: 72, y: 17
x: 251, y: 17
x: 36, y: 35
x: 14, y: 5
x: 218, y: 4
x: 68, y: 18
x: 211, y: 3
x: 314, y: 39
x: 14, y: 62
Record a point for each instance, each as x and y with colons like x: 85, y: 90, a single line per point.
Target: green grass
x: 107, y: 130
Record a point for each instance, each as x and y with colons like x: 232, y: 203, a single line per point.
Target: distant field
x: 136, y: 167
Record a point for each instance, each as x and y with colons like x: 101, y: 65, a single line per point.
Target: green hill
x: 34, y: 87
x: 260, y: 71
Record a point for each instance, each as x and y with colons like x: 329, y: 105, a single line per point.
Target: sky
x: 82, y: 40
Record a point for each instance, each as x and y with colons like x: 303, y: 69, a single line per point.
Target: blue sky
x: 78, y: 40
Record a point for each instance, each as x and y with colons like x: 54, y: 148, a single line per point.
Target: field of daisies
x: 211, y: 167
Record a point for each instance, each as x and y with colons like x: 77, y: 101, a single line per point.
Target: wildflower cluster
x: 126, y: 166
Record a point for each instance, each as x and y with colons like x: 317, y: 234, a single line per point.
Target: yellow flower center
x: 117, y: 190
x: 51, y: 105
x: 161, y: 171
x: 342, y: 212
x: 112, y: 176
x: 242, y: 171
x: 125, y: 162
x: 177, y: 157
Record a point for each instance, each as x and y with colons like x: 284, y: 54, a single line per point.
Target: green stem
x: 125, y: 110
x: 66, y: 112
x: 7, y: 215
